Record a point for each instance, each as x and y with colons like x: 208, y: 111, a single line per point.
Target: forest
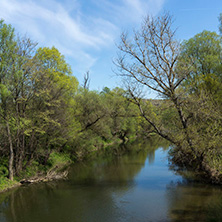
x: 49, y: 119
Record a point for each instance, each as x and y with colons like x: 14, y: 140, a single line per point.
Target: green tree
x: 185, y: 77
x: 9, y: 58
x: 203, y: 90
x: 50, y: 109
x: 149, y: 60
x: 123, y: 114
x: 203, y: 52
x: 37, y: 93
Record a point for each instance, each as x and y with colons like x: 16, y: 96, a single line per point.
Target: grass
x: 57, y: 162
x: 58, y: 159
x: 5, y: 183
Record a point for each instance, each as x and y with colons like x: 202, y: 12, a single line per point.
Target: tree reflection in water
x: 193, y: 201
x: 138, y: 186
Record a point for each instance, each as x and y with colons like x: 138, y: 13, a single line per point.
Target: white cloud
x: 55, y: 26
x: 140, y: 8
x: 80, y: 35
x: 135, y: 5
x: 124, y: 12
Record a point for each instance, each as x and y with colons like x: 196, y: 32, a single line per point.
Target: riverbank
x: 59, y: 173
x: 111, y: 188
x: 6, y: 184
x: 208, y: 170
x: 58, y: 165
x: 56, y: 168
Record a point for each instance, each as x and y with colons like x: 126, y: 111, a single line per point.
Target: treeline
x: 45, y: 114
x: 44, y: 111
x: 188, y: 76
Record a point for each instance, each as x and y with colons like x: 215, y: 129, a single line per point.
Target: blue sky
x: 87, y: 31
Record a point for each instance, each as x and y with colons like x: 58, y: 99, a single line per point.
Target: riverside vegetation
x: 48, y: 120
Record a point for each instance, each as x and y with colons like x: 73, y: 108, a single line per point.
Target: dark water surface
x: 138, y: 186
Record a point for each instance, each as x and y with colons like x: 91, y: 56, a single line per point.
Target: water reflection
x: 190, y: 201
x: 135, y: 187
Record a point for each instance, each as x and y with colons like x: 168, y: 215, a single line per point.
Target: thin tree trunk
x: 11, y: 157
x: 19, y: 167
x: 184, y: 124
x: 156, y: 128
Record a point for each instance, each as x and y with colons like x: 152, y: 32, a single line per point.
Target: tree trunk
x: 19, y: 165
x: 184, y: 124
x: 11, y: 157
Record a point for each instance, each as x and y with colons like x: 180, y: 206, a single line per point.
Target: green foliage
x: 30, y: 171
x: 201, y: 102
x: 48, y: 116
x: 203, y: 51
x: 52, y: 120
x: 36, y: 101
x: 5, y: 183
x: 57, y: 159
x: 3, y: 167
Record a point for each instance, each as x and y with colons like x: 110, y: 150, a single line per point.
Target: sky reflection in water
x: 135, y: 187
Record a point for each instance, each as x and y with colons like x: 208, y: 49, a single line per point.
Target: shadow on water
x: 86, y: 196
x: 137, y: 186
x: 191, y: 201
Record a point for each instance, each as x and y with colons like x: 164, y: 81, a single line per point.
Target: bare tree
x: 150, y: 58
x: 86, y: 80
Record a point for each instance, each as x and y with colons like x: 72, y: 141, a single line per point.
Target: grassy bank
x: 6, y: 184
x: 55, y: 168
x: 208, y: 170
x: 57, y: 164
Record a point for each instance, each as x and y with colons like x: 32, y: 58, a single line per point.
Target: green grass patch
x: 5, y: 183
x: 30, y: 171
x: 58, y: 160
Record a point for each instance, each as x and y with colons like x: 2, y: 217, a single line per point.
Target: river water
x: 138, y: 186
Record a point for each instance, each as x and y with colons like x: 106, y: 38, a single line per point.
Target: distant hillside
x: 156, y: 102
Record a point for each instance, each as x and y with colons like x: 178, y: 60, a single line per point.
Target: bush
x: 56, y: 159
x: 5, y: 183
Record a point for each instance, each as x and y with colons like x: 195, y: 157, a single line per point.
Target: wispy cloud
x: 140, y: 8
x: 129, y: 11
x: 54, y: 25
x: 78, y: 33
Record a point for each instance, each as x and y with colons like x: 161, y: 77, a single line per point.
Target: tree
x: 150, y: 60
x: 123, y: 115
x: 220, y: 21
x: 50, y: 109
x: 9, y: 56
x: 36, y: 100
x: 203, y: 92
x: 204, y: 51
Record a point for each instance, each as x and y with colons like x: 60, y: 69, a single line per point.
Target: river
x: 138, y: 186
